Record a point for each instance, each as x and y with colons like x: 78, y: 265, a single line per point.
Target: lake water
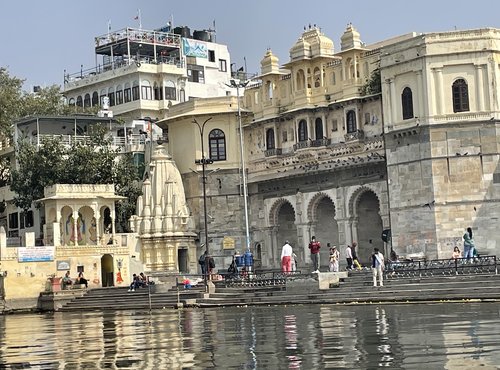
x: 411, y: 336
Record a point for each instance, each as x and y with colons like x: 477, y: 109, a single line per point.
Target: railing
x: 321, y: 142
x: 257, y: 279
x: 120, y: 141
x: 459, y: 266
x: 133, y: 34
x: 272, y: 152
x: 134, y: 59
x: 302, y: 144
x: 357, y: 135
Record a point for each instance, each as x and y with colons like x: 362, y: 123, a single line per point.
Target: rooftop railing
x: 138, y: 35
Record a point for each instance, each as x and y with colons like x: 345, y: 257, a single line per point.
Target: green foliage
x: 127, y: 183
x: 374, y: 84
x: 37, y: 169
x: 90, y: 162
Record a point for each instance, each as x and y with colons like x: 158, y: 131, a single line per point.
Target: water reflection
x: 294, y: 337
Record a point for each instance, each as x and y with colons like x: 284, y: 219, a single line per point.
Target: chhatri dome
x: 312, y: 44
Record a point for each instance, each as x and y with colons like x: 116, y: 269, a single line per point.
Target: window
x: 157, y: 92
x: 135, y: 91
x: 170, y: 93
x: 95, y: 99
x: 119, y: 97
x: 334, y: 80
x: 13, y: 221
x: 195, y: 73
x: 211, y: 55
x: 126, y: 95
x: 111, y: 97
x: 351, y: 121
x: 407, y: 103
x: 79, y: 102
x: 460, y: 93
x: 284, y: 136
x: 303, y: 130
x: 270, y: 139
x: 217, y: 144
x: 318, y: 129
x: 222, y: 65
x: 26, y: 219
x: 146, y: 91
x: 86, y: 101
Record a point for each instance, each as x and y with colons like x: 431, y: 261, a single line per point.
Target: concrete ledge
x: 301, y: 285
x: 328, y: 279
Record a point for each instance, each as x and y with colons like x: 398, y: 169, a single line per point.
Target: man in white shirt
x: 377, y: 267
x: 286, y: 257
x: 348, y: 257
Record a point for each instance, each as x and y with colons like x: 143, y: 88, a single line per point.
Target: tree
x: 374, y: 84
x: 10, y: 100
x: 128, y: 184
x: 37, y: 168
x: 93, y: 161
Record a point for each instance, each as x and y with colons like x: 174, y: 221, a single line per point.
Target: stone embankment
x: 356, y: 289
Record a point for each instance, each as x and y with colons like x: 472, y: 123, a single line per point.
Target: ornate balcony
x: 302, y: 144
x: 356, y: 135
x: 321, y: 142
x: 272, y: 152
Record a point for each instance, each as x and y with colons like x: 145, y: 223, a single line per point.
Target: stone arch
x: 355, y: 197
x: 274, y: 210
x: 313, y: 205
x: 283, y: 219
x: 321, y: 213
x: 366, y: 222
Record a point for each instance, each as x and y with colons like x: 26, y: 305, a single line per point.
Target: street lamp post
x: 239, y: 85
x: 204, y: 161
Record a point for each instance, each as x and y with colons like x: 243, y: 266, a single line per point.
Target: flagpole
x: 140, y: 20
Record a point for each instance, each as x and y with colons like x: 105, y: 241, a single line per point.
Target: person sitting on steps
x: 66, y: 280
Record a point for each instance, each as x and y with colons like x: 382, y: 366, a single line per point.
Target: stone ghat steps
x: 120, y: 298
x: 360, y: 290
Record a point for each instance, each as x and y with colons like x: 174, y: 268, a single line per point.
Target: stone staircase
x: 119, y: 298
x: 357, y: 288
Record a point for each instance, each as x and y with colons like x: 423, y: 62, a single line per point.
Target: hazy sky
x: 40, y: 39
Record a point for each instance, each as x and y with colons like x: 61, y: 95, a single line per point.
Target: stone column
x: 393, y: 100
x: 273, y: 245
x: 387, y: 93
x: 439, y: 91
x: 345, y: 232
x: 75, y: 227
x: 479, y: 88
x: 303, y: 237
x: 420, y: 97
x: 354, y: 230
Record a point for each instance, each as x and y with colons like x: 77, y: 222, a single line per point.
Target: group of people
x: 67, y: 281
x: 207, y: 264
x: 469, y: 247
x: 288, y: 258
x: 139, y: 281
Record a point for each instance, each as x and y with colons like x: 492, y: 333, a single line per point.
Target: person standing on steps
x: 468, y: 244
x: 315, y: 246
x: 354, y: 253
x: 286, y: 257
x: 334, y: 259
x: 377, y: 267
x: 348, y: 257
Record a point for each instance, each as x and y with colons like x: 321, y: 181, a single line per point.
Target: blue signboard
x: 35, y: 254
x: 194, y: 48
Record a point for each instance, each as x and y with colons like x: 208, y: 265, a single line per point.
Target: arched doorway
x: 369, y: 226
x: 322, y: 214
x: 107, y: 276
x: 286, y: 229
x: 182, y: 260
